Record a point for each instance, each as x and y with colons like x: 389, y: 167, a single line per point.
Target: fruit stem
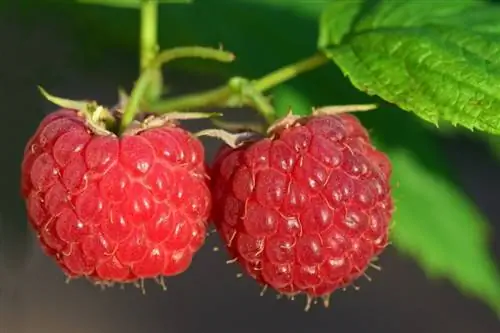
x: 149, y: 46
x: 149, y: 32
x: 289, y: 72
x: 141, y: 86
x: 210, y: 98
x: 240, y: 91
x: 249, y: 95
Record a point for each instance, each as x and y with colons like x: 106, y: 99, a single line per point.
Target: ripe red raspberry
x: 116, y: 208
x: 307, y: 209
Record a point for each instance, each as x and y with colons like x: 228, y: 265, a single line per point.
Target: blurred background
x: 82, y: 51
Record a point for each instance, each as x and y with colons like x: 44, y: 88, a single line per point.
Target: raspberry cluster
x: 304, y: 209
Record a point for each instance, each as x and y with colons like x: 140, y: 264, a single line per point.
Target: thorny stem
x: 142, y: 84
x: 240, y: 91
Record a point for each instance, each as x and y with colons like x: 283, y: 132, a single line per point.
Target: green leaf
x: 136, y: 4
x: 436, y: 224
x: 343, y: 17
x: 411, y: 13
x: 427, y: 64
x: 477, y: 15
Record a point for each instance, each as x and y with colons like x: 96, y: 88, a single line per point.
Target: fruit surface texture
x: 306, y: 209
x: 115, y: 208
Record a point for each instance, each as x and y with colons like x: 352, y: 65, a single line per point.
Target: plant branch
x: 149, y: 32
x: 148, y: 75
x: 289, y: 72
x: 149, y: 46
x: 192, y: 52
x: 212, y: 98
x: 240, y: 91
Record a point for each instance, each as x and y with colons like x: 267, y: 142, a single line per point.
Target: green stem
x: 289, y: 72
x: 144, y: 81
x: 149, y: 46
x: 248, y: 91
x: 249, y: 95
x: 211, y: 98
x: 263, y: 106
x: 149, y: 32
x: 192, y: 52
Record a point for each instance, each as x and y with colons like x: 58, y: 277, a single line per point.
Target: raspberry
x: 116, y: 208
x: 307, y: 209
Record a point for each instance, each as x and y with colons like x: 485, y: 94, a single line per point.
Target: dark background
x: 209, y: 297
